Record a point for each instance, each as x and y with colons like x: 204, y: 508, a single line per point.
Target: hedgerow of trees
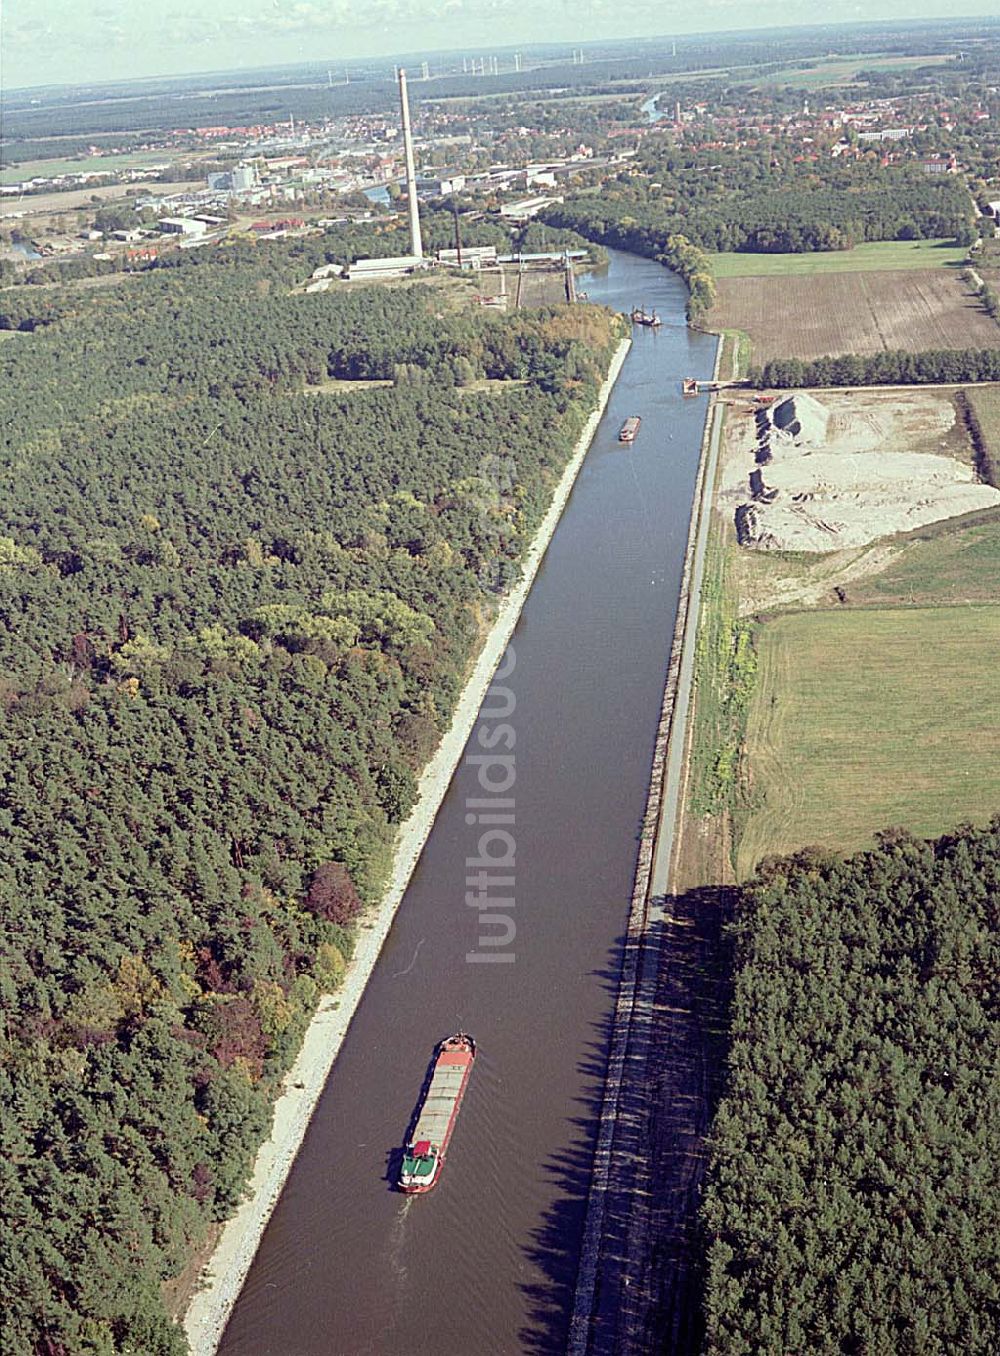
x: 694, y: 266
x: 234, y: 620
x: 890, y: 368
x: 853, y: 1202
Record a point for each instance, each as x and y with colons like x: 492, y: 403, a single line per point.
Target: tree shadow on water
x: 555, y: 1245
x: 649, y: 1277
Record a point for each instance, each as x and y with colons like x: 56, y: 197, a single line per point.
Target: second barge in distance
x: 437, y: 1113
x: 629, y: 429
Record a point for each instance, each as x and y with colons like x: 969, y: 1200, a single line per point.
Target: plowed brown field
x: 838, y: 313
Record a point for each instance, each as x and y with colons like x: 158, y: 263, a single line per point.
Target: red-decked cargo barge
x: 437, y: 1113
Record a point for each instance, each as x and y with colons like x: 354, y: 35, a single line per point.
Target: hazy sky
x: 84, y: 40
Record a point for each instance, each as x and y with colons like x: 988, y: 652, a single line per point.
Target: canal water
x: 487, y: 1262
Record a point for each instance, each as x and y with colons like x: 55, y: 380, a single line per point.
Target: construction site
x: 528, y: 283
x: 817, y: 473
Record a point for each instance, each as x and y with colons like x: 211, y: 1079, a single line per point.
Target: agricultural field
x: 90, y: 164
x: 824, y: 660
x: 860, y: 312
x: 73, y: 199
x: 838, y: 71
x: 875, y: 255
x: 943, y: 563
x: 865, y: 719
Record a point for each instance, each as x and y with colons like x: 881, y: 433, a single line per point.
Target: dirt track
x: 838, y: 313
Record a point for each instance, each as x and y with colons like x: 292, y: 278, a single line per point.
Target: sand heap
x: 816, y: 486
x: 802, y: 418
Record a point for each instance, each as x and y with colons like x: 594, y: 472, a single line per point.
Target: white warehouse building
x: 394, y: 267
x: 182, y: 226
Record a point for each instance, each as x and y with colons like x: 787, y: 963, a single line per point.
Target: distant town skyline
x: 56, y: 42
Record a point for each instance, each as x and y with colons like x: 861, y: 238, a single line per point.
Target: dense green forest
x: 234, y: 619
x: 854, y: 1200
x: 765, y: 202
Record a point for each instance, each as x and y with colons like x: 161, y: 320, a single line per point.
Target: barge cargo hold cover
x: 436, y: 1116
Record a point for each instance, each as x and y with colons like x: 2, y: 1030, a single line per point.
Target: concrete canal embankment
x: 226, y: 1271
x: 608, y: 1304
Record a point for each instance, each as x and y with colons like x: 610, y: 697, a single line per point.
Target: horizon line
x: 394, y: 58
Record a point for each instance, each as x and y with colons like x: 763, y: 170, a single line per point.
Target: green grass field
x: 736, y: 354
x: 940, y: 564
x: 842, y: 70
x: 107, y: 164
x: 865, y: 719
x: 879, y: 254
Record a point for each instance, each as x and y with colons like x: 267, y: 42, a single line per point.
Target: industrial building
x: 373, y: 270
x: 182, y: 226
x: 442, y: 186
x: 244, y: 178
x: 526, y: 208
x: 241, y: 179
x: 472, y: 256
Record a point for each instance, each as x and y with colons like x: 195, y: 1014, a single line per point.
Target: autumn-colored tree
x: 332, y: 895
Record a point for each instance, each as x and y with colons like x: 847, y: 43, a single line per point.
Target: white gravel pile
x: 841, y: 482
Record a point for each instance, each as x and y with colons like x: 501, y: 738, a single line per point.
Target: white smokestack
x: 416, y: 246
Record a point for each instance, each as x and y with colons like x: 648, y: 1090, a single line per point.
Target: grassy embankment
x: 723, y: 680
x: 889, y: 255
x: 725, y: 665
x: 984, y: 408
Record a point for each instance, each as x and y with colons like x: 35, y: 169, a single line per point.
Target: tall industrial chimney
x: 416, y: 246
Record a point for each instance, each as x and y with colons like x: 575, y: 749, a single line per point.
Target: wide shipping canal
x: 487, y: 1262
